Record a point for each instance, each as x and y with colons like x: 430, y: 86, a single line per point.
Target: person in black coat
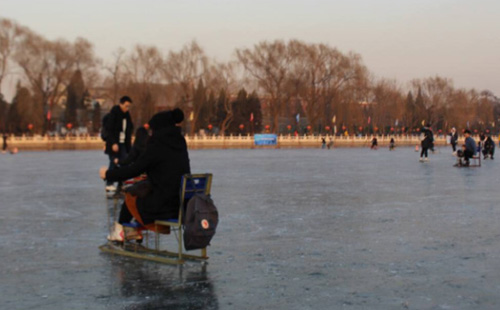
x: 165, y: 160
x: 454, y: 139
x: 138, y: 148
x: 374, y: 144
x: 427, y: 143
x: 489, y: 148
x: 119, y: 127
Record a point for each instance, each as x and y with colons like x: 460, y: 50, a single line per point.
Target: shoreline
x: 39, y: 143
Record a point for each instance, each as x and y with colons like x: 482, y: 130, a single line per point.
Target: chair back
x: 192, y: 184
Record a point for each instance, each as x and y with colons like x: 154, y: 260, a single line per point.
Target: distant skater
x: 330, y: 143
x: 426, y: 143
x: 454, y: 139
x: 374, y: 144
x: 392, y: 145
x: 323, y: 143
x: 489, y: 148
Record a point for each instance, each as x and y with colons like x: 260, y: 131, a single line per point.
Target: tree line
x: 277, y: 86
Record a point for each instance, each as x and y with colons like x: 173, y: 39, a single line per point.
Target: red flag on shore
x: 369, y: 119
x: 251, y: 117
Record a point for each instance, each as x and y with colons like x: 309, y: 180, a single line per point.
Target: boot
x: 117, y: 233
x: 132, y: 234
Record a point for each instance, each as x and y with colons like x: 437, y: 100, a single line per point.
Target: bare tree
x: 10, y: 35
x: 142, y: 70
x: 387, y: 102
x: 221, y: 77
x: 321, y: 76
x: 269, y: 64
x: 116, y: 70
x: 49, y: 65
x: 224, y: 111
x: 184, y: 69
x: 436, y: 92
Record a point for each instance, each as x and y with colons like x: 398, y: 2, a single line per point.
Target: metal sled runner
x: 191, y: 184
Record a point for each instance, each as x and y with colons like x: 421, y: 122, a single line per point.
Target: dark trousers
x: 468, y: 155
x: 424, y: 152
x: 122, y: 154
x: 125, y: 215
x: 454, y: 146
x: 489, y: 151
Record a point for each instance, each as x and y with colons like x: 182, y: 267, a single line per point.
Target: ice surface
x: 299, y: 229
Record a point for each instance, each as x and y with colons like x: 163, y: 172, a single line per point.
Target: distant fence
x: 218, y: 142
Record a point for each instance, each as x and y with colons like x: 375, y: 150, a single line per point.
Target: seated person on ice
x: 489, y: 148
x: 468, y: 150
x: 164, y: 161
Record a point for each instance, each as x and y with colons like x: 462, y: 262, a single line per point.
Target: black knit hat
x: 166, y: 119
x: 177, y: 115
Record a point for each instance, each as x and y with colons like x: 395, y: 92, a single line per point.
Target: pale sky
x: 397, y: 39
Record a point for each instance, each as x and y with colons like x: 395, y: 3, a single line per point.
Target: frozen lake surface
x: 299, y: 229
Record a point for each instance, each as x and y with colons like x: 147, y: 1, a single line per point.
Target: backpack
x: 104, y: 131
x: 200, y: 222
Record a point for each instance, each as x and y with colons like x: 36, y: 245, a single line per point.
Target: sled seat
x: 191, y: 184
x: 475, y: 160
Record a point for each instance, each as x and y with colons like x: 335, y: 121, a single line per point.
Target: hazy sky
x: 397, y: 39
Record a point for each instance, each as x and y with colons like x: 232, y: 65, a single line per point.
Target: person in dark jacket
x: 454, y: 139
x: 374, y: 144
x: 138, y: 148
x: 119, y: 127
x: 469, y: 149
x: 489, y: 148
x: 427, y: 143
x: 165, y: 160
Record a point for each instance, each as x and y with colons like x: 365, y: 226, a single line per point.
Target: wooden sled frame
x: 191, y: 184
x: 475, y: 162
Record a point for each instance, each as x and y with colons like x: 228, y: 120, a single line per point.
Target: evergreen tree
x: 96, y: 118
x: 254, y: 107
x: 23, y: 111
x: 420, y: 110
x: 199, y: 101
x: 207, y: 112
x: 410, y: 111
x: 13, y: 121
x: 75, y: 98
x: 4, y: 109
x: 239, y: 107
x: 224, y: 113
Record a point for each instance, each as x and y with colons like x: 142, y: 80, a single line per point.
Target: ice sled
x: 170, y: 229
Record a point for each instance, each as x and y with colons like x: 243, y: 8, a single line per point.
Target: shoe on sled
x: 132, y: 234
x: 117, y: 233
x: 110, y: 188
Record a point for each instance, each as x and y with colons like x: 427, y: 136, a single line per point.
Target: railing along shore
x: 88, y: 142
